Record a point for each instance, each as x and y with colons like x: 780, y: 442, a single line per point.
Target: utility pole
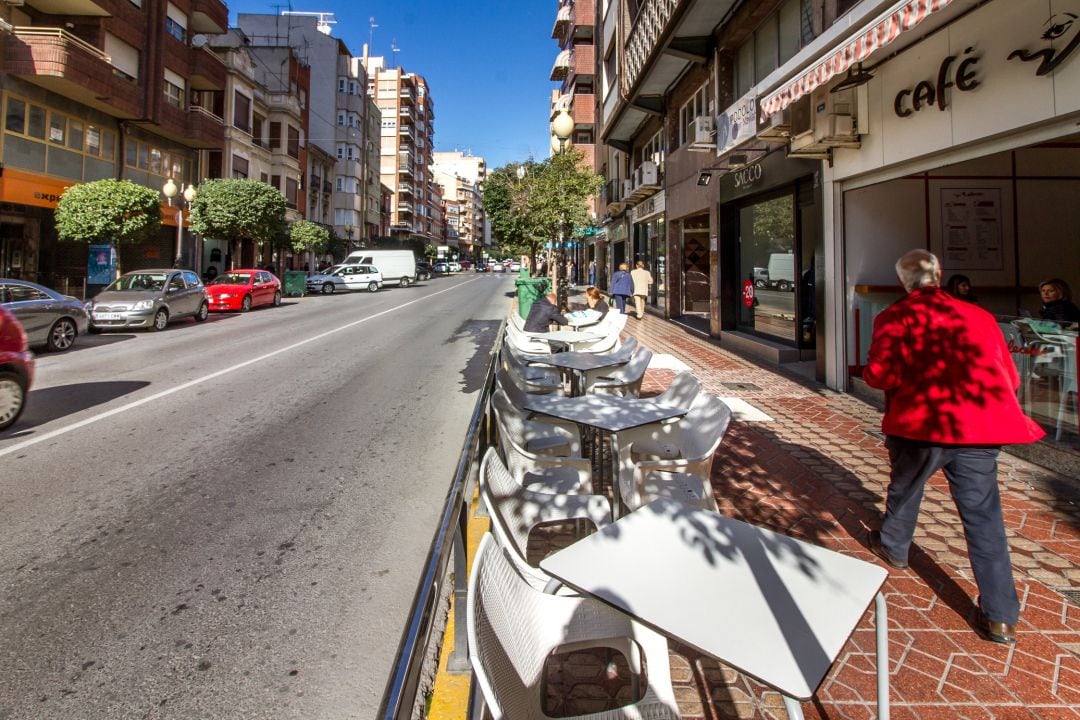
x: 371, y: 35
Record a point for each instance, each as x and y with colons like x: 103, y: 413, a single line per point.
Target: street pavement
x: 809, y: 462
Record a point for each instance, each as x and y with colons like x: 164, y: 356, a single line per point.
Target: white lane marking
x: 191, y: 383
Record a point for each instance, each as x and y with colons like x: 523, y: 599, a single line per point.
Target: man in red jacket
x: 950, y: 404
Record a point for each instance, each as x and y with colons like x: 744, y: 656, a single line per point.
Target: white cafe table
x: 578, y: 363
x: 566, y: 337
x: 775, y: 608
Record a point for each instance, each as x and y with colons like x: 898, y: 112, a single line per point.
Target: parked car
x: 345, y: 277
x: 498, y: 267
x: 481, y: 267
x: 455, y: 266
x: 49, y: 318
x: 148, y: 299
x: 466, y: 264
x: 16, y: 368
x: 442, y: 267
x: 514, y: 266
x: 424, y: 270
x: 241, y: 290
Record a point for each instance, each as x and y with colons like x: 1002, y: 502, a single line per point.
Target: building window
x: 342, y: 118
x: 294, y: 142
x: 700, y: 105
x: 772, y: 44
x: 174, y: 94
x: 275, y: 136
x: 342, y: 85
x: 257, y: 124
x: 241, y: 112
x: 292, y: 188
x: 175, y: 29
x: 239, y: 168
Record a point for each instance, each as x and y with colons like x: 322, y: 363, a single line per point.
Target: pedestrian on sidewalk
x: 622, y: 287
x: 950, y: 404
x: 642, y: 280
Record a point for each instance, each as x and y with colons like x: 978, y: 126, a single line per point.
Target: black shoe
x: 873, y: 541
x: 992, y: 630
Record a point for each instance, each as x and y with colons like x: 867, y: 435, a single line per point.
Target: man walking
x: 950, y: 404
x: 642, y: 280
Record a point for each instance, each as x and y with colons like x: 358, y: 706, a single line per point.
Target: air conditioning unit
x: 703, y: 131
x: 627, y: 187
x: 647, y: 174
x: 835, y: 123
x: 802, y: 117
x: 777, y: 128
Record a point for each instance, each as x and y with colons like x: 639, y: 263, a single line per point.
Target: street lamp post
x: 187, y: 195
x: 562, y: 127
x: 348, y: 239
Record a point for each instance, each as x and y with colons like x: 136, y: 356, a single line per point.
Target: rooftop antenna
x: 371, y: 33
x: 323, y: 19
x: 394, y: 51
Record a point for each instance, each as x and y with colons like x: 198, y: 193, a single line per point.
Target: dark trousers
x: 972, y: 476
x: 620, y: 302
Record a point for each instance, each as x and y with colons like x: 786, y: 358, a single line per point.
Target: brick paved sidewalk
x: 818, y: 471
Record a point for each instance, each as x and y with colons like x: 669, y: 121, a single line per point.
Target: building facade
x: 461, y: 176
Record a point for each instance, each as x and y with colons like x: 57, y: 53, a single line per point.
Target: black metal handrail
x: 399, y: 699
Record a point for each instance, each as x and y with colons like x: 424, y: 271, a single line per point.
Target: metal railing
x: 404, y: 686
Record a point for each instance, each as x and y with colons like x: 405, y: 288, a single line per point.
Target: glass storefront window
x: 1045, y: 354
x: 767, y: 259
x: 695, y: 253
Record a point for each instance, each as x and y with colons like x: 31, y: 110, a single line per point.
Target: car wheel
x: 161, y: 319
x: 404, y: 282
x: 12, y: 398
x: 328, y: 288
x: 204, y: 312
x: 760, y: 283
x: 783, y: 286
x: 61, y: 335
x: 372, y: 286
x: 277, y: 299
x: 245, y: 304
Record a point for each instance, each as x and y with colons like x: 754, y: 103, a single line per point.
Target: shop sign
x: 926, y: 93
x: 1049, y: 59
x: 747, y: 176
x: 737, y: 124
x: 648, y: 208
x: 23, y: 188
x: 748, y: 293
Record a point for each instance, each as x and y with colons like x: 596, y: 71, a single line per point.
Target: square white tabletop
x: 582, y: 361
x: 567, y: 336
x: 773, y: 607
x: 604, y: 412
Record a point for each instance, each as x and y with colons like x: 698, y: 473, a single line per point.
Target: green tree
x: 236, y: 210
x: 108, y: 211
x: 308, y: 237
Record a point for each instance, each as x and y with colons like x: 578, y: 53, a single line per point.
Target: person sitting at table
x: 595, y: 301
x: 1057, y: 302
x: 959, y: 286
x: 542, y: 313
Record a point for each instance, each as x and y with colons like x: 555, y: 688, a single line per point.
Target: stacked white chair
x: 538, y: 436
x: 610, y: 328
x: 534, y: 379
x: 513, y: 628
x: 672, y: 460
x: 545, y: 473
x: 625, y: 380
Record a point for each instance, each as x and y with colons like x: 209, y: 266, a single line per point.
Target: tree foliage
x: 551, y: 197
x: 239, y: 210
x: 306, y: 236
x: 108, y: 211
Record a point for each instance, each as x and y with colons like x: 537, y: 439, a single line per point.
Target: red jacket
x: 946, y: 372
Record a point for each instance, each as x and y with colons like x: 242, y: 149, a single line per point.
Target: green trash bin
x: 528, y: 290
x: 295, y: 283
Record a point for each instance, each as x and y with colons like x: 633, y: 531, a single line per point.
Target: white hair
x: 918, y: 268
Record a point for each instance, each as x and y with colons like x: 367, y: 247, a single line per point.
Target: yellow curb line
x: 450, y: 696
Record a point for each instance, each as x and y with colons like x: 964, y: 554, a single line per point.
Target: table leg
x: 881, y: 621
x: 794, y: 709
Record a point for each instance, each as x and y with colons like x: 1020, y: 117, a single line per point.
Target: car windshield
x: 139, y: 282
x: 232, y: 278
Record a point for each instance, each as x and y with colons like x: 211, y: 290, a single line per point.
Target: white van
x: 782, y: 271
x: 395, y: 266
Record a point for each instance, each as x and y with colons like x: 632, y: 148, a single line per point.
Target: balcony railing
x: 649, y: 26
x: 562, y: 65
x: 562, y: 22
x: 205, y: 129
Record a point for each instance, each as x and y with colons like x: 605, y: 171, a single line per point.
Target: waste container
x: 528, y: 290
x: 295, y: 283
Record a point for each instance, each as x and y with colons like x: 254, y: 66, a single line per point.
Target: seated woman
x: 596, y: 301
x: 959, y: 286
x: 1057, y: 302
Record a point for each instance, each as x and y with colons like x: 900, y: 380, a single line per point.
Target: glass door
x: 695, y: 254
x: 768, y: 262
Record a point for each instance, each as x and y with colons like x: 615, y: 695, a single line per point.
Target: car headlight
x: 224, y: 296
x: 143, y: 305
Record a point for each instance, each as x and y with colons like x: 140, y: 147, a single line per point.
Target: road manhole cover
x: 743, y: 387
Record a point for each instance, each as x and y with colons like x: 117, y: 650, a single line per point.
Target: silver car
x: 49, y: 318
x: 148, y: 299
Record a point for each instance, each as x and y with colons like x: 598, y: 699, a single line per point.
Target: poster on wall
x: 971, y: 229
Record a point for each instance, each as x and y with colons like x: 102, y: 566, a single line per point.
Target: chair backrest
x: 682, y: 391
x: 505, y: 381
x: 704, y: 426
x: 516, y: 321
x: 626, y: 349
x: 498, y: 489
x: 634, y: 370
x: 510, y: 418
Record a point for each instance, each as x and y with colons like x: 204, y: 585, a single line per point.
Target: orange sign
x: 23, y: 188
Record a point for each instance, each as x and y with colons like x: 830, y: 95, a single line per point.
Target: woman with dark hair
x: 595, y: 301
x: 959, y: 286
x: 1057, y: 301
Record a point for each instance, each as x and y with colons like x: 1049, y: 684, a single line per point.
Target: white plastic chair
x: 535, y: 436
x: 545, y: 473
x: 1021, y: 356
x: 672, y: 460
x: 611, y: 328
x: 505, y: 382
x: 681, y: 393
x: 531, y: 379
x: 516, y: 511
x: 513, y: 629
x: 625, y: 380
x: 521, y: 341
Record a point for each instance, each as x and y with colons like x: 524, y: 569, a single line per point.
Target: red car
x: 16, y: 368
x: 241, y: 290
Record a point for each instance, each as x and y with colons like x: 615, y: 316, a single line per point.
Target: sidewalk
x: 809, y: 462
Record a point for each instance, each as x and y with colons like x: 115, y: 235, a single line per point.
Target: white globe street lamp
x: 187, y: 194
x: 562, y: 128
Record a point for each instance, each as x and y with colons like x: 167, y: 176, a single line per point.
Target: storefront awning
x: 900, y: 18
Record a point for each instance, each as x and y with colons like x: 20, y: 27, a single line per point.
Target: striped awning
x: 903, y: 16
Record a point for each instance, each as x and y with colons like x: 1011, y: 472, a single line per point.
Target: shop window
x: 15, y: 118
x: 767, y: 259
x: 155, y: 162
x: 57, y: 128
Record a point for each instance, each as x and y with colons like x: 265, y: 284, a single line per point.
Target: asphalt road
x: 228, y: 520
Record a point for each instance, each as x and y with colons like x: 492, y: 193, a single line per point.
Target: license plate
x: 108, y: 316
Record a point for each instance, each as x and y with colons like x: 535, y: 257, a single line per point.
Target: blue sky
x: 487, y: 63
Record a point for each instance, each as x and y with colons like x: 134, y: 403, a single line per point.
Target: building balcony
x: 584, y: 13
x: 208, y: 16
x: 561, y: 67
x: 405, y: 189
x: 284, y: 102
x: 205, y: 129
x: 407, y: 95
x: 406, y: 169
x: 59, y: 61
x: 583, y: 60
x: 562, y: 21
x: 404, y: 208
x: 208, y: 71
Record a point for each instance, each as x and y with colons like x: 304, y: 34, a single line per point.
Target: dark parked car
x: 16, y: 368
x: 49, y: 318
x: 423, y: 271
x: 149, y: 299
x: 481, y: 267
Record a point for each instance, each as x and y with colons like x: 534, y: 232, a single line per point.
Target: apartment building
x: 461, y: 176
x: 102, y: 89
x: 407, y: 143
x: 340, y: 115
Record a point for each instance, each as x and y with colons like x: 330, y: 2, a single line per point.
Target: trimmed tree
x: 308, y: 237
x: 237, y: 210
x: 108, y: 211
